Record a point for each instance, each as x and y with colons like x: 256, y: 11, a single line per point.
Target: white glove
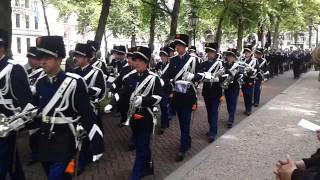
x: 116, y: 97
x: 207, y: 75
x: 138, y: 101
x: 189, y: 76
x: 109, y: 95
x: 96, y: 157
x: 108, y: 108
x: 33, y: 90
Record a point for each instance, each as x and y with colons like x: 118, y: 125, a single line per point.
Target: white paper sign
x: 309, y: 125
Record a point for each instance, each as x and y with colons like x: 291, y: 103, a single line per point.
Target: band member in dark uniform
x: 142, y: 91
x: 93, y: 77
x: 95, y: 82
x: 35, y: 72
x: 94, y: 61
x: 15, y: 94
x: 211, y: 90
x: 161, y: 68
x: 231, y: 90
x: 65, y: 111
x: 182, y: 71
x: 120, y: 59
x: 250, y: 73
x: 117, y: 84
x: 262, y: 71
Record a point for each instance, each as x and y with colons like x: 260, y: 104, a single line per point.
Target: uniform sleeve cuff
x: 297, y: 175
x: 308, y: 162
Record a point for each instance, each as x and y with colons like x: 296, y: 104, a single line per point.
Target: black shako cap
x: 211, y: 47
x: 50, y: 46
x: 142, y: 53
x: 84, y: 50
x: 182, y: 39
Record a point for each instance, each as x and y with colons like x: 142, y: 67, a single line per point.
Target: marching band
x: 62, y: 110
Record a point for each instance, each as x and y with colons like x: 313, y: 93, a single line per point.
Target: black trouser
x: 296, y: 70
x: 281, y: 67
x: 9, y: 159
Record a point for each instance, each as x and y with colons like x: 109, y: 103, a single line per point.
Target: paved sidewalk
x: 117, y: 162
x: 250, y: 150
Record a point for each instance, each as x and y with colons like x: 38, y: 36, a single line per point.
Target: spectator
x: 305, y: 169
x: 316, y: 60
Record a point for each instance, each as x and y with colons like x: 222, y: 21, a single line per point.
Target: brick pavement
x: 117, y: 162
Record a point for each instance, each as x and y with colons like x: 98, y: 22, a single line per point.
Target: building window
x: 28, y: 43
x: 17, y: 2
x: 36, y: 25
x: 27, y: 22
x: 18, y: 20
x: 19, y: 45
x: 26, y: 3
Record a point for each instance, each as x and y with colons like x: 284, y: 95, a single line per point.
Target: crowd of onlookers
x: 307, y: 168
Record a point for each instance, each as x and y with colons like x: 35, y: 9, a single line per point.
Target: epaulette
x: 73, y: 75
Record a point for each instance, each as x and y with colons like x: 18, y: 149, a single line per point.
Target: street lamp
x: 193, y: 21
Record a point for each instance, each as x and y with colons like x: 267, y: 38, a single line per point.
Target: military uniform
x: 94, y: 60
x: 34, y: 74
x: 193, y: 51
x: 182, y: 71
x: 15, y: 93
x: 118, y: 84
x: 263, y: 69
x: 248, y: 78
x: 118, y: 64
x: 142, y: 91
x: 95, y: 82
x: 160, y: 69
x: 231, y: 92
x: 94, y: 79
x: 212, y: 90
x: 62, y: 110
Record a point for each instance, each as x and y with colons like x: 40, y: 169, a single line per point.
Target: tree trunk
x: 5, y: 20
x: 133, y: 40
x: 45, y: 16
x: 275, y: 43
x: 260, y: 35
x: 102, y: 20
x: 240, y: 34
x: 218, y: 36
x: 106, y: 53
x: 174, y: 18
x: 152, y: 26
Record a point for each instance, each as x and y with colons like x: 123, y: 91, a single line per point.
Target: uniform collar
x: 85, y: 67
x: 183, y: 55
x: 3, y: 57
x: 143, y: 73
x: 213, y: 60
x: 56, y: 78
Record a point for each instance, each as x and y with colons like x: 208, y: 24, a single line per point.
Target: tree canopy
x: 218, y: 19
